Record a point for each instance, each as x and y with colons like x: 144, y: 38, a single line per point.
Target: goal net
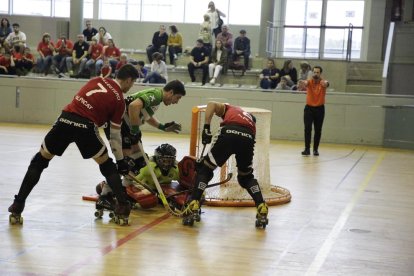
x: 231, y: 193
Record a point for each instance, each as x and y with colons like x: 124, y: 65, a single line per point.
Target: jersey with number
x: 234, y: 115
x: 145, y: 175
x: 151, y: 99
x: 99, y: 100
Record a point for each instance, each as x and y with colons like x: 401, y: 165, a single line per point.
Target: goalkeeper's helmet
x: 164, y: 156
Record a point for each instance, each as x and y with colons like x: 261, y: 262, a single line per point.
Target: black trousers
x: 313, y: 115
x: 192, y: 68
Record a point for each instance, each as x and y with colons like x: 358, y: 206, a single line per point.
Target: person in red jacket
x: 64, y: 48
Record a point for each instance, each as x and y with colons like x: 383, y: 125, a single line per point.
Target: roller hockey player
x: 235, y: 136
x: 78, y: 122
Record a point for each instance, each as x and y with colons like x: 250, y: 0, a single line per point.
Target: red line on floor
x: 108, y: 249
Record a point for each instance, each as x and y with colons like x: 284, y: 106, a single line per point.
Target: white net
x: 231, y: 193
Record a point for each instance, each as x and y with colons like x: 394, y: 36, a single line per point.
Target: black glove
x: 206, y: 137
x: 170, y: 127
x: 123, y: 166
x: 135, y: 138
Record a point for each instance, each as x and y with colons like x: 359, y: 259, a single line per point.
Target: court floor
x: 351, y: 213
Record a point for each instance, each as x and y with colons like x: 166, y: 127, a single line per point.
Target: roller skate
x: 105, y: 202
x: 192, y: 213
x: 99, y: 187
x: 16, y: 210
x: 261, y: 216
x: 122, y: 214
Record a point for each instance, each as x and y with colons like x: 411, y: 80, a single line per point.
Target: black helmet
x: 164, y: 156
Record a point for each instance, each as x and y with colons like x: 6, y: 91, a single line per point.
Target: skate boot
x: 99, y: 187
x: 122, y: 214
x: 16, y: 210
x: 192, y: 213
x: 261, y: 216
x: 105, y: 202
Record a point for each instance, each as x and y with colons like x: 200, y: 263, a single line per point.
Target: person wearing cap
x: 242, y: 48
x: 45, y: 48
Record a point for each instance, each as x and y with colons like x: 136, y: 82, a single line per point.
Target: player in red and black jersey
x: 235, y: 136
x: 99, y: 101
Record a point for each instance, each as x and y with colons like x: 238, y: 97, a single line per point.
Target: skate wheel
x: 98, y: 213
x: 15, y: 219
x: 111, y: 215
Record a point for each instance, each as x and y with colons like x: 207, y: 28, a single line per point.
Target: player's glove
x: 206, y: 137
x: 123, y: 166
x: 136, y: 135
x: 170, y: 127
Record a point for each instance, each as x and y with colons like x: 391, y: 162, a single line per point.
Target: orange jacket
x: 315, y: 93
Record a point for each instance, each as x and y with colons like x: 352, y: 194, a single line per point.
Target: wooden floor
x: 352, y: 213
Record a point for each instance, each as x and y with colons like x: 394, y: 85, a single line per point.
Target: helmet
x: 164, y: 156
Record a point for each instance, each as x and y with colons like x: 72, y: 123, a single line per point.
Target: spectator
x: 270, y: 76
x: 227, y: 38
x: 89, y: 31
x: 283, y: 84
x: 79, y: 54
x: 122, y: 61
x: 95, y: 54
x: 205, y: 32
x: 198, y: 60
x: 103, y: 36
x: 175, y: 44
x: 112, y: 53
x: 158, y: 72
x: 64, y: 48
x: 106, y: 70
x: 26, y: 62
x: 45, y: 48
x: 15, y: 38
x: 7, y: 66
x: 142, y: 71
x: 159, y: 43
x: 216, y: 22
x: 289, y: 70
x: 5, y: 30
x: 305, y: 71
x: 218, y: 61
x: 242, y: 48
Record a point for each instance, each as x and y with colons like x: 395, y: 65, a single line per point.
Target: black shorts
x: 233, y: 140
x: 70, y: 127
x: 125, y: 134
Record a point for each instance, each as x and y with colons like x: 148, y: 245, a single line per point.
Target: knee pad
x: 39, y: 162
x: 108, y: 168
x: 245, y: 179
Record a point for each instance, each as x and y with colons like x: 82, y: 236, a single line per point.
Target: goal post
x: 231, y: 193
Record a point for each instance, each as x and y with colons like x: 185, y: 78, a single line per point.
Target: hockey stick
x: 161, y: 194
x: 228, y: 178
x: 135, y: 178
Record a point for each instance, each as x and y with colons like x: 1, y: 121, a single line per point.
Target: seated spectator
x: 270, y: 76
x: 284, y: 83
x: 45, y: 48
x: 175, y: 44
x: 78, y: 58
x: 158, y: 72
x: 289, y: 70
x: 64, y: 48
x: 106, y: 69
x: 15, y: 38
x: 218, y: 61
x: 103, y: 36
x: 122, y: 61
x: 26, y: 63
x: 227, y: 38
x: 95, y: 54
x: 112, y: 53
x: 142, y: 71
x: 5, y: 30
x: 305, y: 71
x: 198, y: 60
x: 89, y: 31
x: 17, y: 57
x: 159, y: 43
x: 205, y: 32
x: 7, y: 66
x: 242, y: 48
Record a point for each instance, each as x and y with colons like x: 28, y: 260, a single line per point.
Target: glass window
x: 244, y: 12
x: 195, y: 10
x: 4, y: 7
x: 62, y: 8
x: 342, y: 13
x: 32, y: 7
x: 303, y: 12
x: 120, y: 9
x: 88, y: 8
x: 301, y: 42
x: 163, y: 10
x: 336, y: 42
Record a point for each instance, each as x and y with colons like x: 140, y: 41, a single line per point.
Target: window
x: 4, y: 7
x: 244, y: 12
x: 120, y: 9
x: 88, y: 8
x: 195, y: 10
x: 62, y: 8
x: 32, y: 7
x: 163, y: 10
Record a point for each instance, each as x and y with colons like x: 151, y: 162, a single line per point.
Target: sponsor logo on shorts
x: 72, y: 123
x: 232, y: 131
